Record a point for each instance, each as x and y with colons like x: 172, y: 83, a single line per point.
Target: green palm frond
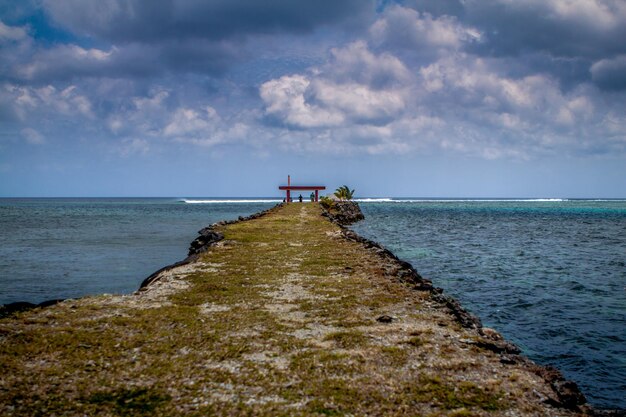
x: 344, y: 193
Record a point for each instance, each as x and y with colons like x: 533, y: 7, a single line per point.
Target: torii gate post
x: 289, y: 188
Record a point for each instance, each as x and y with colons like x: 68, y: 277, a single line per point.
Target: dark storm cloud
x: 70, y: 62
x: 592, y: 30
x: 562, y: 38
x: 610, y: 74
x: 144, y: 38
x: 439, y: 7
x: 490, y: 78
x: 144, y: 21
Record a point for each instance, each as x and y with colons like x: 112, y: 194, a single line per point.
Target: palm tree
x: 344, y: 193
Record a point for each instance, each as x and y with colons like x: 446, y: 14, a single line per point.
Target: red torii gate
x: 289, y: 188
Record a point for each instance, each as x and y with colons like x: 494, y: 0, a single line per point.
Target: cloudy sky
x: 445, y: 98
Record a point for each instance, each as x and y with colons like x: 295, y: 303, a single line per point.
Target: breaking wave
x: 228, y: 201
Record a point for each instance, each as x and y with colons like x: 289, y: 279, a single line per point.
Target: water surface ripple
x: 67, y: 247
x: 549, y: 275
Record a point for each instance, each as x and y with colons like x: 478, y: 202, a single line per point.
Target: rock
x: 11, y: 308
x: 207, y: 238
x: 464, y: 317
x: 385, y: 319
x: 49, y: 303
x: 344, y: 213
x: 568, y: 393
x: 19, y: 306
x: 501, y: 346
x: 509, y: 359
x: 490, y: 334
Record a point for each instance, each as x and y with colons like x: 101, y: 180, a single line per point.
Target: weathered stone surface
x: 465, y: 318
x: 568, y: 393
x: 19, y: 306
x: 7, y: 309
x: 344, y: 213
x: 207, y: 238
x: 384, y: 319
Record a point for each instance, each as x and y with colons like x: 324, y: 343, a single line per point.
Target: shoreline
x: 567, y: 394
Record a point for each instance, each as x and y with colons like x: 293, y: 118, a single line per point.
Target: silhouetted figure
x: 300, y: 198
x: 312, y: 197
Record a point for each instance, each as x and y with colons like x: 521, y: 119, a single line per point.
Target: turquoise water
x: 549, y: 275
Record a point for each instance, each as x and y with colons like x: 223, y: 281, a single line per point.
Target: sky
x: 415, y: 98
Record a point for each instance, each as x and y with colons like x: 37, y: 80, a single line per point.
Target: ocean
x: 71, y: 247
x: 550, y: 275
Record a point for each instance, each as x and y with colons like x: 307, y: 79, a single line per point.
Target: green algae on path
x: 279, y: 318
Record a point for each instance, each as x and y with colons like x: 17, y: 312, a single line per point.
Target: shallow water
x: 549, y: 275
x: 64, y: 248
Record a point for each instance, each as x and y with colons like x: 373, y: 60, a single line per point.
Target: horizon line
x: 356, y: 198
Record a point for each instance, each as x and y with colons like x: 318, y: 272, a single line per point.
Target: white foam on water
x: 374, y: 200
x: 216, y: 201
x: 406, y: 200
x: 453, y: 200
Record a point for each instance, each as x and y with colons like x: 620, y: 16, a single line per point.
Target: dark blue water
x: 64, y: 248
x: 549, y: 275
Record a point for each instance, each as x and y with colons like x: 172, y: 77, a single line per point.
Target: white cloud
x: 354, y: 87
x: 222, y: 134
x: 189, y: 122
x: 401, y: 26
x: 600, y: 15
x: 61, y: 60
x: 472, y: 81
x: 510, y: 116
x: 115, y: 124
x: 137, y: 116
x: 152, y: 119
x: 32, y: 136
x: 285, y: 99
x: 49, y: 100
x: 12, y: 33
x: 457, y: 103
x: 355, y: 63
x: 150, y: 103
x: 358, y: 102
x: 66, y: 101
x: 610, y: 73
x: 134, y: 146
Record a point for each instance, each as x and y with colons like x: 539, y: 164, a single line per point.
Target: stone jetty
x: 285, y: 313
